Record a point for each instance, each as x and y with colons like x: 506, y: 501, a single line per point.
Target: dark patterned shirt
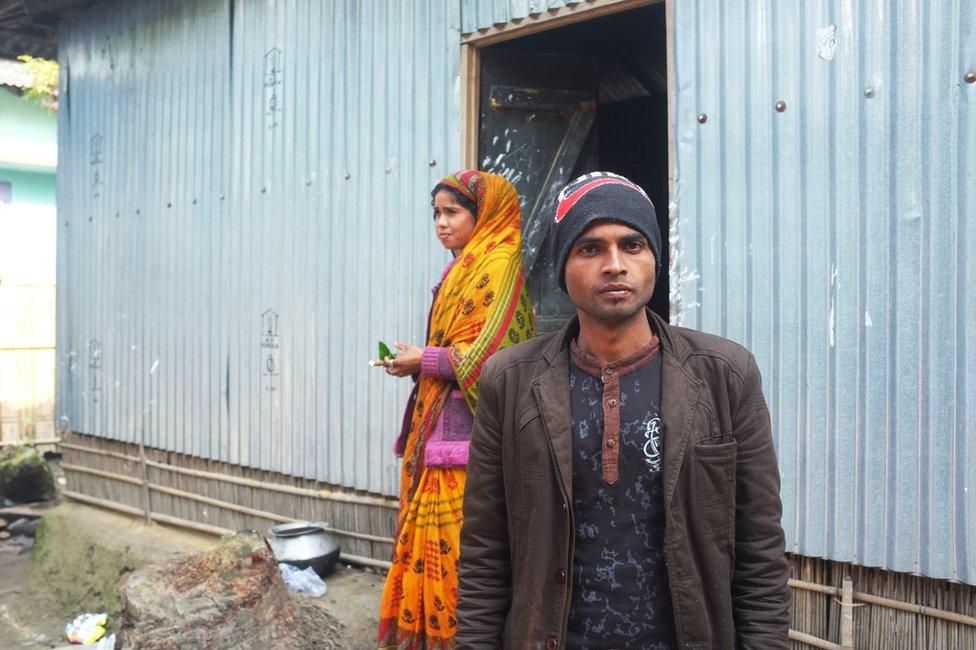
x: 621, y: 597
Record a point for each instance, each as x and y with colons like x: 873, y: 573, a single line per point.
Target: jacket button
x: 612, y: 402
x: 565, y: 509
x: 610, y: 443
x: 551, y: 643
x: 561, y: 576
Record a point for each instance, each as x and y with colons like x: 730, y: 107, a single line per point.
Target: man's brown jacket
x: 725, y: 546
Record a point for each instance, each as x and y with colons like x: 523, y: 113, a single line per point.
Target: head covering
x: 481, y: 305
x: 499, y: 210
x: 600, y: 196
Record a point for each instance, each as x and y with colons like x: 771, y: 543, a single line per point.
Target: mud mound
x: 73, y: 570
x: 230, y: 597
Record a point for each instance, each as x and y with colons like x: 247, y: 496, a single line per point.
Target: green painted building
x: 28, y: 144
x: 28, y: 234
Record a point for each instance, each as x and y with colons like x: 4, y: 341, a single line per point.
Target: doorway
x: 553, y: 105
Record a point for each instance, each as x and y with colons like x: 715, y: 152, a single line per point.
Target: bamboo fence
x: 222, y: 496
x: 887, y: 609
x: 835, y: 605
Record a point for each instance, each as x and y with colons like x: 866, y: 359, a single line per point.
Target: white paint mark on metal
x: 831, y: 319
x: 827, y: 42
x: 830, y: 324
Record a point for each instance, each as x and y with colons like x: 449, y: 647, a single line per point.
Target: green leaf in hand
x: 385, y: 352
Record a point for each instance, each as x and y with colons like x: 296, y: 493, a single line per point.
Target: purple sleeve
x: 436, y: 362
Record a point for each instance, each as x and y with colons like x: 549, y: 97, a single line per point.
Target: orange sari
x: 480, y: 307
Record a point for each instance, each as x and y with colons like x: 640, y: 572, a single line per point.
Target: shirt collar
x: 592, y: 366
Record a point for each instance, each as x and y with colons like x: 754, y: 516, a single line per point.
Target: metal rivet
x: 432, y: 162
x: 116, y: 215
x: 89, y: 218
x: 348, y: 176
x: 780, y: 106
x: 869, y: 92
x: 308, y: 181
x: 388, y: 170
x: 169, y: 205
x: 702, y: 118
x: 137, y: 211
x: 194, y: 201
x: 970, y: 77
x: 222, y: 197
x: 264, y: 190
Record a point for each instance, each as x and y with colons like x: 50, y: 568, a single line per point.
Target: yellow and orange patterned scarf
x: 482, y: 304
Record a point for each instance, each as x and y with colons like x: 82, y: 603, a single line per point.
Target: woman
x: 480, y: 306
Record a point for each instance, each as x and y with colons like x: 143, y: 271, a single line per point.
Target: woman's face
x: 453, y: 223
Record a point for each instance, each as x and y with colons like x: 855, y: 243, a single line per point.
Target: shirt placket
x: 611, y: 425
x: 610, y: 376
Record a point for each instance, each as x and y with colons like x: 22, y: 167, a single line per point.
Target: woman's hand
x: 407, y: 361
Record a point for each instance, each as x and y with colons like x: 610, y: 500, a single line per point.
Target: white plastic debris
x: 303, y: 580
x: 86, y: 629
x: 107, y: 643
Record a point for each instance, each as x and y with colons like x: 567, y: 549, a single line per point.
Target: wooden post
x: 847, y: 614
x: 470, y: 104
x: 144, y: 475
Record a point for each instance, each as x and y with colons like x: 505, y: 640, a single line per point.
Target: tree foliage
x: 43, y: 86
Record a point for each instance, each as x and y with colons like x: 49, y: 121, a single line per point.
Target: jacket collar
x: 671, y: 342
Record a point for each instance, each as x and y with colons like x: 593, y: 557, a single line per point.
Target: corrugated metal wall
x: 479, y: 14
x: 834, y: 239
x: 830, y: 238
x: 244, y: 213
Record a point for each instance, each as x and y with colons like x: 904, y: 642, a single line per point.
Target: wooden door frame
x: 472, y: 43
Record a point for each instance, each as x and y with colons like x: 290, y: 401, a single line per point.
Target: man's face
x: 610, y: 272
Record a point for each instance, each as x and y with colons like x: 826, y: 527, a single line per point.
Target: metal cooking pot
x: 305, y: 544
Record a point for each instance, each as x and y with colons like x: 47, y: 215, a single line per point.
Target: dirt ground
x: 84, y: 551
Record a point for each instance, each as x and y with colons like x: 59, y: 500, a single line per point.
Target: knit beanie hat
x: 600, y: 196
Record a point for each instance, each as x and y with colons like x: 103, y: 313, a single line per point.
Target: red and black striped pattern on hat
x: 573, y: 192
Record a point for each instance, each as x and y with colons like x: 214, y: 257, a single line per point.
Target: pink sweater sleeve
x: 436, y: 362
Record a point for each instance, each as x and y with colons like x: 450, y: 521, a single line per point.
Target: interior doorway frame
x: 473, y: 43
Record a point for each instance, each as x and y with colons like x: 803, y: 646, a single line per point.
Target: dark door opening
x: 586, y: 97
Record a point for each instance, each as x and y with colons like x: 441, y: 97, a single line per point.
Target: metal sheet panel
x: 244, y: 206
x: 481, y: 14
x: 834, y: 239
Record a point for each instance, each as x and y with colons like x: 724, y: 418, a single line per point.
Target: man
x: 622, y: 485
